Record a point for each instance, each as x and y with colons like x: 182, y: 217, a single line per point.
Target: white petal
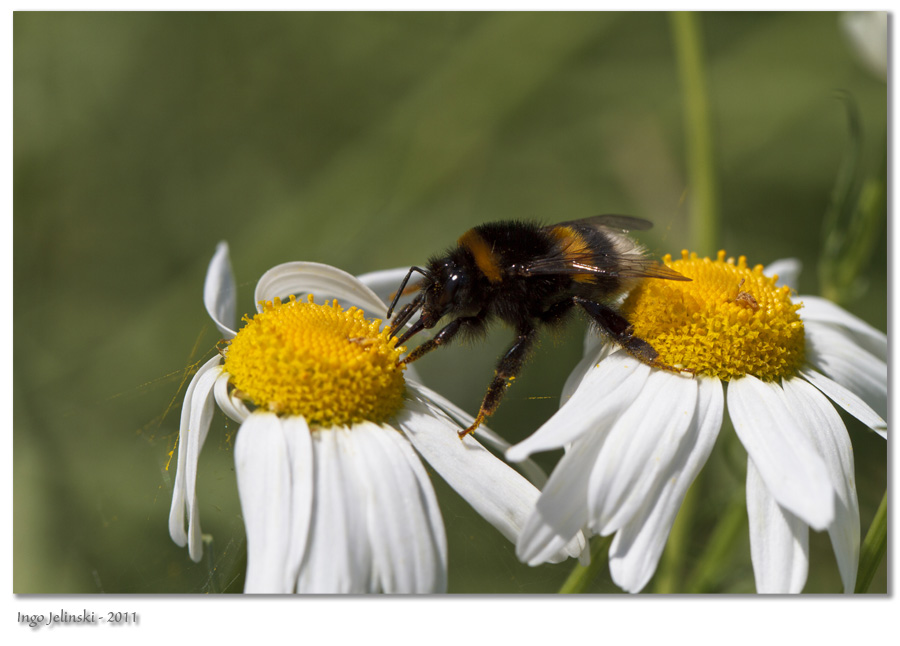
x: 833, y: 443
x: 179, y: 490
x: 201, y: 414
x: 220, y: 292
x: 338, y: 557
x: 528, y: 467
x: 821, y: 310
x: 839, y: 357
x: 781, y: 448
x: 232, y: 406
x: 323, y: 281
x: 639, y: 450
x: 637, y: 547
x: 847, y: 400
x: 788, y: 272
x: 298, y: 440
x: 386, y: 282
x: 561, y: 509
x: 408, y: 550
x: 499, y: 494
x: 263, y: 471
x: 604, y: 393
x: 434, y: 520
x: 595, y: 352
x: 779, y: 541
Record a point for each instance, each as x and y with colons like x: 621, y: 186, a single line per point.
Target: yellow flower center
x: 322, y: 362
x: 728, y: 321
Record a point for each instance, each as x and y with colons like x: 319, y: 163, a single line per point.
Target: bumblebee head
x: 444, y: 292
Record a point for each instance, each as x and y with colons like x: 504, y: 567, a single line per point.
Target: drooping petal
x: 323, y: 281
x: 263, y: 469
x: 201, y: 414
x: 782, y: 450
x: 179, y: 490
x: 821, y: 310
x: 408, y: 550
x: 605, y: 392
x: 834, y: 446
x: 298, y: 440
x: 639, y: 450
x: 637, y: 547
x: 779, y: 541
x: 847, y: 400
x: 495, y: 490
x: 844, y: 362
x: 220, y: 292
x: 338, y: 555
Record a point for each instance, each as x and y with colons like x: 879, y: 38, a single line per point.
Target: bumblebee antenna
x: 403, y: 286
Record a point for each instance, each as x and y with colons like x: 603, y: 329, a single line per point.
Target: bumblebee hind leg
x: 622, y: 332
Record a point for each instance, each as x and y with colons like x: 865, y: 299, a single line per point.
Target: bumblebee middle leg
x: 507, y: 369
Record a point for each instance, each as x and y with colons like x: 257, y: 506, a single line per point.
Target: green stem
x: 582, y: 575
x: 713, y: 564
x: 703, y: 214
x: 873, y: 548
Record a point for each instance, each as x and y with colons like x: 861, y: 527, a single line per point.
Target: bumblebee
x: 529, y: 275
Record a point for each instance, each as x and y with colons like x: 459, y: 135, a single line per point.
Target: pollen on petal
x: 329, y: 365
x: 728, y: 321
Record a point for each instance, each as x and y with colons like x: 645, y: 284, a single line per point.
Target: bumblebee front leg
x: 506, y: 371
x: 445, y: 335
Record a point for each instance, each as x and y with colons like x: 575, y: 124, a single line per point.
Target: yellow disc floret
x: 728, y: 321
x: 329, y: 365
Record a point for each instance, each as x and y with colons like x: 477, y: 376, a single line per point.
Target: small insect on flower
x: 529, y: 275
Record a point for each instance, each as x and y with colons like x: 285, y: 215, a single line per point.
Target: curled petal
x: 220, y: 292
x: 385, y: 283
x: 323, y: 281
x: 232, y: 406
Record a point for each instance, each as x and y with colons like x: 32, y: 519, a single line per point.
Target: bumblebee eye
x: 450, y: 289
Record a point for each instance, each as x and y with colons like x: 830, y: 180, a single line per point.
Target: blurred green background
x: 368, y: 141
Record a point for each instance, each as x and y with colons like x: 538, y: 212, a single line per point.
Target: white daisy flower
x: 636, y: 437
x: 333, y: 492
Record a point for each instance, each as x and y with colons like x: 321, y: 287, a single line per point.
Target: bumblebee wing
x: 594, y: 247
x: 609, y: 221
x: 590, y: 263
